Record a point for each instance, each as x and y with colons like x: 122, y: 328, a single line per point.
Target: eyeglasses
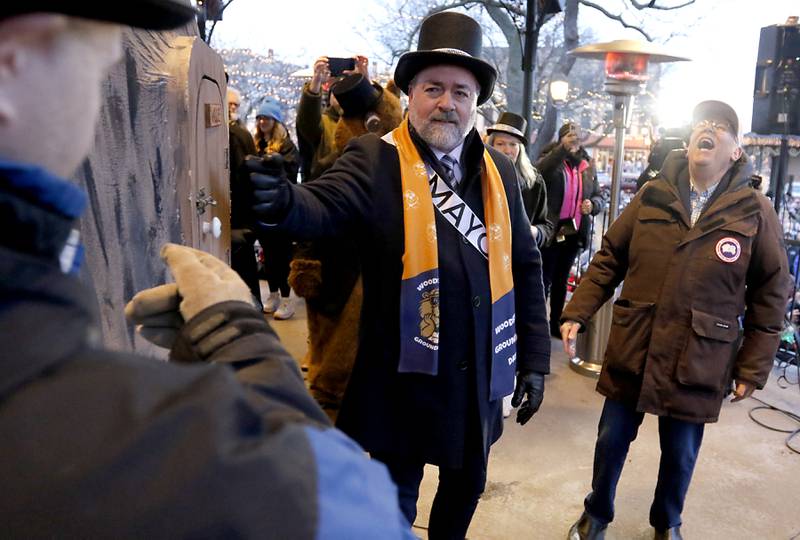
x: 716, y: 126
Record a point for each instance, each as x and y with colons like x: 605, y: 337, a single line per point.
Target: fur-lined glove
x: 201, y: 281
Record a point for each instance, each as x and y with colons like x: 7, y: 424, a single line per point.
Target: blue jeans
x: 680, y: 444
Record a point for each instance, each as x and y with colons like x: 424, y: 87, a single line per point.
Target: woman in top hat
x: 508, y: 136
x: 271, y: 137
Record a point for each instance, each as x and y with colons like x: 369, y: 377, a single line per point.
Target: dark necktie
x: 449, y: 165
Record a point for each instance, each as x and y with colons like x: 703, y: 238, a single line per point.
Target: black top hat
x: 448, y: 38
x: 150, y: 14
x: 356, y: 94
x: 510, y: 123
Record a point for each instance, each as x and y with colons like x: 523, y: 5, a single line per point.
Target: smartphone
x: 338, y: 65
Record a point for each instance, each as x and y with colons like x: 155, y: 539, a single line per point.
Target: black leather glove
x: 530, y: 385
x: 272, y: 195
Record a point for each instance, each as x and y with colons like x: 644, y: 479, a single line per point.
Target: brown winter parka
x: 699, y: 306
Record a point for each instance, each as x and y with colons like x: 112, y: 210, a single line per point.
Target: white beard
x: 442, y: 136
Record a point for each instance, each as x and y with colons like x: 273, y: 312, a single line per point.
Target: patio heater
x: 626, y: 75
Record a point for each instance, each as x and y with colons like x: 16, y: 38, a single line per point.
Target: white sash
x: 454, y: 209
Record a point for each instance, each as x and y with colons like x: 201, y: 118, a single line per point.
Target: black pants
x: 277, y: 257
x: 456, y: 497
x: 680, y: 444
x: 243, y: 259
x: 557, y: 260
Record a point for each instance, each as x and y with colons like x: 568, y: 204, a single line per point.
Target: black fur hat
x: 356, y: 94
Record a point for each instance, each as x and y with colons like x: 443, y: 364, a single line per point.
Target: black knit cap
x: 356, y: 94
x: 452, y: 39
x: 716, y: 111
x: 149, y: 14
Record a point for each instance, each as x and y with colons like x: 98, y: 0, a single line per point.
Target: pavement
x: 746, y: 483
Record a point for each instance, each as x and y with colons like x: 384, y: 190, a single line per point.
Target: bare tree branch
x: 652, y: 5
x: 210, y: 32
x: 617, y: 18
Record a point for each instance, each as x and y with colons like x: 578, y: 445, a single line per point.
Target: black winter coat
x: 551, y: 165
x: 422, y: 416
x: 534, y: 198
x: 240, y: 145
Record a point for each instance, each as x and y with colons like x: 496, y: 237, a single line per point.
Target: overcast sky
x: 721, y: 39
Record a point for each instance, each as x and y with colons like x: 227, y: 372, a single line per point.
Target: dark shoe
x: 673, y: 533
x: 587, y: 528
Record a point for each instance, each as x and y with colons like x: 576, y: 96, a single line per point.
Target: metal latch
x: 204, y: 200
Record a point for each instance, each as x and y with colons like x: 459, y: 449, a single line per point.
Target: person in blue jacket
x: 224, y: 441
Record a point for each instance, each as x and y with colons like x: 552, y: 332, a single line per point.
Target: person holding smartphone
x: 316, y: 124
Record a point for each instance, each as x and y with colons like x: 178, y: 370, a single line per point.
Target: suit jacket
x: 411, y: 414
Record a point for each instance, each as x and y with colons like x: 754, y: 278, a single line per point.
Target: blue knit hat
x: 270, y: 109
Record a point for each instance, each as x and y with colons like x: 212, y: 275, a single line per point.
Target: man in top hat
x: 453, y: 303
x: 508, y: 136
x: 103, y: 444
x: 705, y: 276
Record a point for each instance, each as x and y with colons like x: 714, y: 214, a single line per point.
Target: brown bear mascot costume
x: 327, y: 273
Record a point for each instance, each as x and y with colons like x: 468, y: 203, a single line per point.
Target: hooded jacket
x: 103, y: 444
x: 700, y: 305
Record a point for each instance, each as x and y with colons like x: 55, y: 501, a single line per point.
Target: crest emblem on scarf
x: 495, y: 231
x: 429, y: 316
x: 411, y: 199
x: 431, y: 232
x: 728, y: 249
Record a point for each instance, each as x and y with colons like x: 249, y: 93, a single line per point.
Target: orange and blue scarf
x: 419, y: 293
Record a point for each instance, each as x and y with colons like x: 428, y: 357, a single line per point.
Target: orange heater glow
x: 624, y: 66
